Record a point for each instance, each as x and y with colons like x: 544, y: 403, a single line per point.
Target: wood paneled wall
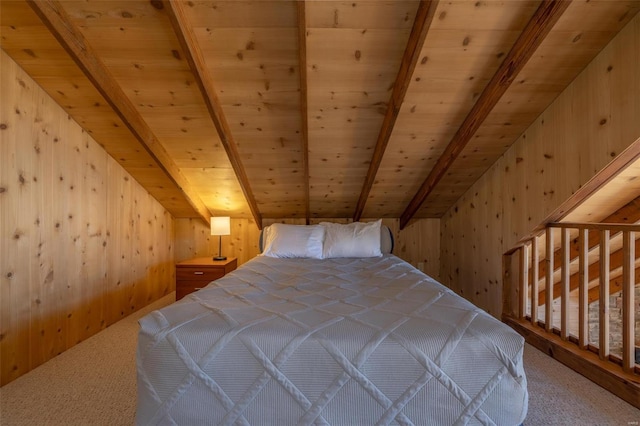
x: 418, y: 243
x: 83, y: 244
x: 591, y: 122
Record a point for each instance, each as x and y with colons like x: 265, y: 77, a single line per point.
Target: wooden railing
x: 551, y: 283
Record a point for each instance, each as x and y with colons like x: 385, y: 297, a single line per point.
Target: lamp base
x: 220, y: 258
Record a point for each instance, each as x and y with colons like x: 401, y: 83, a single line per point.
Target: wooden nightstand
x: 194, y: 274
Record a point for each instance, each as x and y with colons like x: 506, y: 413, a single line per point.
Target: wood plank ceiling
x: 307, y: 109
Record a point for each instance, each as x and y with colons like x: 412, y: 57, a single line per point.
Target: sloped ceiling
x: 307, y: 108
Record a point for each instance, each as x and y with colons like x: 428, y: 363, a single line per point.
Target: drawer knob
x: 198, y: 273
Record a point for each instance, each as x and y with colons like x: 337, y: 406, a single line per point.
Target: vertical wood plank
x: 564, y: 282
x: 535, y: 277
x: 14, y: 350
x: 304, y: 101
x: 419, y: 243
x: 628, y: 301
x: 604, y: 295
x: 40, y: 335
x: 583, y: 290
x: 548, y: 306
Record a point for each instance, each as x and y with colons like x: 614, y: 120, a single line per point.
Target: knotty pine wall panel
x: 83, y: 244
x: 590, y: 123
x: 418, y: 243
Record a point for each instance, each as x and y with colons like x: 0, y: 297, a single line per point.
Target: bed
x: 335, y: 340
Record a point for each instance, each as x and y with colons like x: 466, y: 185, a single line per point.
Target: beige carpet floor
x: 94, y: 383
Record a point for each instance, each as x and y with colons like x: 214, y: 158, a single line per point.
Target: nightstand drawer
x: 190, y: 273
x: 186, y: 287
x: 194, y: 274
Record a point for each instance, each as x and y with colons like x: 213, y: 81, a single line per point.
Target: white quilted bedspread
x: 338, y: 341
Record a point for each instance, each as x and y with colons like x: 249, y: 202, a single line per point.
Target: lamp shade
x: 221, y: 225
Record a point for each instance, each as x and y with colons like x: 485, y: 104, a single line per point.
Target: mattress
x: 328, y: 342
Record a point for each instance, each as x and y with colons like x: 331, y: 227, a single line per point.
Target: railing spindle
x: 604, y: 295
x: 566, y: 273
x: 583, y: 291
x: 628, y: 293
x: 524, y: 281
x: 535, y: 258
x: 548, y: 304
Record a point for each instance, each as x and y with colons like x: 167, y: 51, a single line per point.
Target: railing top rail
x: 615, y: 227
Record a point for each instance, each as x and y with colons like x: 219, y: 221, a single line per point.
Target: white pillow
x: 282, y: 240
x: 352, y: 240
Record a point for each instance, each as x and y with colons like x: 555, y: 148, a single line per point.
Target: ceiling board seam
x: 195, y: 59
x: 54, y: 17
x: 421, y: 24
x: 523, y: 49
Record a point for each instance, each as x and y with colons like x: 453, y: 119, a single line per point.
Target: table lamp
x: 220, y: 226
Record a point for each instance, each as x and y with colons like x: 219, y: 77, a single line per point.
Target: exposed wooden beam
x: 421, y: 24
x: 302, y: 64
x: 73, y: 41
x: 191, y: 49
x: 532, y: 36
